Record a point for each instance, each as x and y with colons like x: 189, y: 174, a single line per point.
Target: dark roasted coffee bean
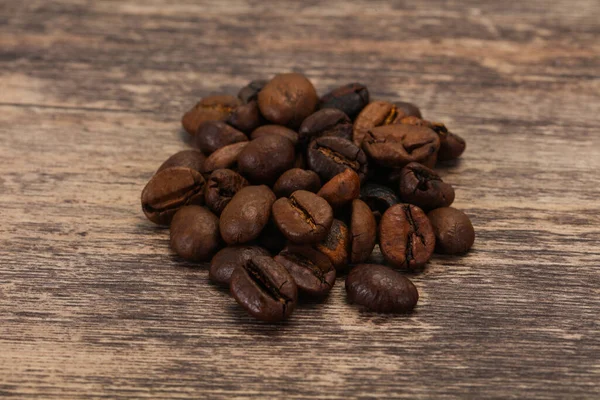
x: 195, y: 233
x: 287, y: 99
x: 378, y: 197
x: 341, y: 189
x: 296, y: 179
x: 275, y: 130
x: 451, y: 145
x: 211, y: 108
x: 266, y: 158
x: 328, y: 156
x: 250, y: 92
x: 304, y: 217
x: 381, y: 289
x: 424, y: 188
x: 265, y: 289
x: 327, y: 122
x: 409, y: 109
x: 169, y: 190
x: 212, y: 135
x: 363, y: 232
x: 229, y: 258
x: 245, y: 117
x: 193, y: 159
x: 221, y: 186
x: 312, y: 271
x: 377, y: 113
x: 336, y: 245
x: 246, y: 215
x: 406, y: 237
x: 350, y: 99
x: 225, y: 157
x: 454, y: 233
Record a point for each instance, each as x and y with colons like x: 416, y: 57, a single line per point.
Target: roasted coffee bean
x: 225, y: 157
x: 395, y: 146
x: 378, y: 197
x: 424, y: 188
x: 341, y: 189
x: 229, y: 258
x: 169, y: 190
x: 408, y: 109
x: 304, y: 217
x: 406, y: 236
x: 363, y: 232
x: 193, y: 159
x: 265, y: 289
x: 350, y: 99
x: 312, y: 271
x: 275, y: 130
x: 454, y: 233
x: 266, y: 158
x: 211, y: 108
x: 246, y: 117
x: 336, y: 245
x: 329, y: 156
x: 195, y: 233
x: 451, y: 145
x: 250, y: 92
x: 381, y: 289
x: 212, y: 135
x: 246, y: 215
x: 287, y: 99
x: 221, y: 186
x: 296, y: 179
x: 327, y: 122
x: 375, y: 114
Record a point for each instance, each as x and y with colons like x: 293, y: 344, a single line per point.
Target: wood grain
x: 93, y: 304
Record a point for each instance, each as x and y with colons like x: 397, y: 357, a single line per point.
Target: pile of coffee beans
x: 285, y: 190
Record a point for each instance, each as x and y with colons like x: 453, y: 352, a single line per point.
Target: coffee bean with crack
x: 378, y: 197
x: 329, y: 156
x: 312, y: 271
x: 424, y: 188
x: 303, y: 218
x: 211, y: 108
x: 228, y: 259
x: 336, y: 245
x: 221, y: 186
x: 363, y: 232
x: 377, y: 113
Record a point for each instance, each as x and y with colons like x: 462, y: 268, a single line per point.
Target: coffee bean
x: 225, y: 157
x: 329, y: 156
x: 246, y: 215
x: 221, y: 186
x: 303, y: 218
x: 363, y: 232
x: 406, y: 237
x: 211, y: 108
x: 275, y: 130
x: 265, y: 289
x: 451, y: 145
x: 229, y: 258
x: 408, y: 109
x: 424, y: 188
x: 341, y: 189
x: 287, y: 99
x: 378, y: 197
x: 312, y: 271
x: 326, y: 122
x: 296, y: 179
x: 266, y: 158
x: 195, y: 233
x: 169, y: 190
x: 377, y: 113
x: 246, y: 117
x: 381, y: 289
x: 193, y: 159
x: 213, y: 135
x: 350, y: 99
x: 250, y: 92
x: 336, y: 245
x: 454, y: 233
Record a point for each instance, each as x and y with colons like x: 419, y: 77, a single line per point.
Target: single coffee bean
x: 312, y: 271
x: 265, y: 289
x: 377, y: 113
x: 406, y: 236
x: 363, y: 232
x: 454, y: 233
x: 221, y: 186
x: 195, y: 233
x: 250, y: 92
x: 225, y: 157
x: 408, y: 109
x: 451, y: 145
x: 287, y: 99
x: 211, y: 108
x: 336, y: 245
x: 296, y: 179
x: 350, y: 99
x: 304, y: 217
x: 169, y: 190
x: 381, y: 289
x: 245, y: 117
x: 229, y: 258
x: 341, y: 189
x: 329, y: 156
x: 266, y: 158
x: 424, y: 188
x: 275, y: 130
x: 213, y: 135
x: 326, y: 122
x: 193, y: 159
x: 378, y: 197
x: 246, y: 215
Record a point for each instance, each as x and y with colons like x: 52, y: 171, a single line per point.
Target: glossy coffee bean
x: 336, y: 245
x: 193, y: 159
x: 424, y: 188
x: 454, y: 233
x: 312, y: 271
x: 195, y: 233
x: 377, y: 113
x: 211, y: 108
x: 341, y: 189
x: 363, y: 232
x: 265, y: 289
x: 169, y: 190
x: 246, y: 215
x: 406, y: 236
x: 275, y: 130
x: 266, y: 158
x: 213, y: 135
x: 350, y: 99
x: 381, y: 289
x: 329, y: 156
x: 221, y: 186
x: 246, y: 117
x: 225, y: 157
x: 378, y: 197
x: 408, y: 109
x: 296, y: 179
x: 229, y: 258
x: 451, y: 145
x: 250, y: 92
x: 303, y: 217
x: 287, y: 99
x: 327, y: 122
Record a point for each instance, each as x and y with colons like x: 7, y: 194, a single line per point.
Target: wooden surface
x: 93, y: 304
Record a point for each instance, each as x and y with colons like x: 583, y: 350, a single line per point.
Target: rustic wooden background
x: 92, y: 303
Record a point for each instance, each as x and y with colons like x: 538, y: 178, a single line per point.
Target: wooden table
x: 93, y: 304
